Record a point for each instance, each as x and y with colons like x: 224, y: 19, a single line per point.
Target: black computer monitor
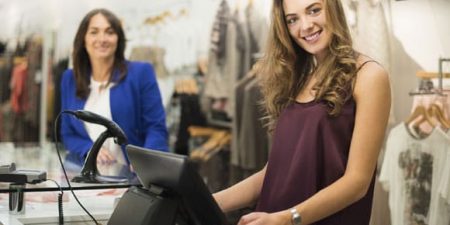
x: 178, y: 176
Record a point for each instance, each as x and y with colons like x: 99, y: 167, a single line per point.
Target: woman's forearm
x: 332, y: 199
x: 242, y: 194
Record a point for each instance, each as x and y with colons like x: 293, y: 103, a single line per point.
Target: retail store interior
x: 211, y: 101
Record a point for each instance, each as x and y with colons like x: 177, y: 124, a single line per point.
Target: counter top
x: 46, y: 159
x: 41, y: 205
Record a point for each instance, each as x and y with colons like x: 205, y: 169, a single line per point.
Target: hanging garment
x: 443, y: 205
x: 245, y: 34
x: 258, y: 27
x: 19, y: 91
x: 219, y: 32
x: 440, y: 204
x: 411, y: 172
x: 5, y: 78
x: 191, y: 114
x: 250, y: 144
x: 218, y: 77
x: 33, y: 82
x: 58, y: 70
x: 1, y: 128
x: 222, y: 76
x: 253, y: 140
x: 237, y: 120
x: 152, y: 55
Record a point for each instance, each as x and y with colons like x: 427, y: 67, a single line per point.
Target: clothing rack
x: 441, y: 74
x: 429, y: 75
x: 426, y: 85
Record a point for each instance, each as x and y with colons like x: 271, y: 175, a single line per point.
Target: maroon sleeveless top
x: 309, y: 152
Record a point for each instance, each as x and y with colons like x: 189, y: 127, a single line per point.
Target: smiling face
x: 100, y: 39
x: 307, y: 24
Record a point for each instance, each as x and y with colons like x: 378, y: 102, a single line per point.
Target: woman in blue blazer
x: 102, y: 81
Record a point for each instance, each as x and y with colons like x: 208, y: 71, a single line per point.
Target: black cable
x: 60, y: 203
x: 56, y: 133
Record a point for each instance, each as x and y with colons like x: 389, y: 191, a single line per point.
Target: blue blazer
x: 136, y: 106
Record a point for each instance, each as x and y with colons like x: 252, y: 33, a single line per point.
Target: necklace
x: 103, y: 85
x: 99, y: 85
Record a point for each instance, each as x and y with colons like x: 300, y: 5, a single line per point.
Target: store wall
x: 420, y: 35
x: 422, y: 26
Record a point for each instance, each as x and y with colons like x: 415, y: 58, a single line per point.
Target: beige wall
x: 420, y: 35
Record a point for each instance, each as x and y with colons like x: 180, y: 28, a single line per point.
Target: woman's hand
x: 131, y: 168
x: 105, y: 157
x: 261, y: 218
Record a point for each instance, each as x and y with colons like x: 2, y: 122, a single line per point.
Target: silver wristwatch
x: 296, y: 219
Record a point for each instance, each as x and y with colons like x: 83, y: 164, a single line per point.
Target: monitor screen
x: 178, y: 175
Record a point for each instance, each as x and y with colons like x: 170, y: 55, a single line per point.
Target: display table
x: 41, y: 205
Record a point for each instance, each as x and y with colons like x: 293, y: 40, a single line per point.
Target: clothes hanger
x: 225, y: 140
x: 420, y: 111
x: 196, y: 131
x: 250, y: 3
x: 192, y: 87
x: 217, y: 140
x: 178, y: 87
x: 437, y: 112
x: 19, y: 60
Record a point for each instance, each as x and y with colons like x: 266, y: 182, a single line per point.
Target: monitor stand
x: 141, y: 207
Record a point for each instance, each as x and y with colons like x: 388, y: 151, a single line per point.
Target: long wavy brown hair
x: 285, y: 66
x: 82, y: 65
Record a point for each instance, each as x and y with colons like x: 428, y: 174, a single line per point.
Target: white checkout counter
x: 41, y: 206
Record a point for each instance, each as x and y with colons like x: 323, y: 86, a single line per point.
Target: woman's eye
x: 291, y: 20
x: 314, y: 11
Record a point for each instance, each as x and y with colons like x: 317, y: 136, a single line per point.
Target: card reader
x: 8, y: 168
x: 8, y: 173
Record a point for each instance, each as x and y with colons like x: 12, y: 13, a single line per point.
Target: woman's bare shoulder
x: 371, y: 76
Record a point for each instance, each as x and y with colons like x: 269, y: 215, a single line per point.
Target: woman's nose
x: 306, y: 24
x: 101, y: 37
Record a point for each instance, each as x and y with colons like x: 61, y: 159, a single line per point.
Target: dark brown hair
x: 81, y: 63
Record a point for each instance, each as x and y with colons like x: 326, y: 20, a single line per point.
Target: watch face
x: 296, y: 218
